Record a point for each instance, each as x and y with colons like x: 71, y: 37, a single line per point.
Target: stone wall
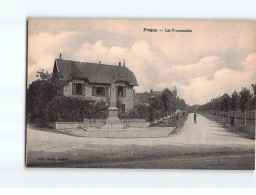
x: 68, y: 125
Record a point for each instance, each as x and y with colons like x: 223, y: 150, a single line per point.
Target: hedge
x: 138, y: 112
x: 67, y: 109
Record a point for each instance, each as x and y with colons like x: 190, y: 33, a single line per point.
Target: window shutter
x: 83, y: 89
x: 107, y: 91
x: 124, y: 91
x: 93, y: 91
x: 73, y: 88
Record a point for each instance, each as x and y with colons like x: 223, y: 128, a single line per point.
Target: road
x: 204, y: 145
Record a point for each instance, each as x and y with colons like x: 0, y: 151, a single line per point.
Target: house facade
x: 92, y: 81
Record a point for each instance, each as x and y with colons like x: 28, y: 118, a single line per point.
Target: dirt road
x: 204, y: 145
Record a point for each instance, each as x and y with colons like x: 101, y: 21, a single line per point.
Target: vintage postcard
x: 158, y: 94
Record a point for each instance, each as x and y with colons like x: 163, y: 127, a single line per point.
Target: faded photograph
x: 154, y: 94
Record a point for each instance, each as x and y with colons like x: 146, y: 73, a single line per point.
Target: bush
x: 69, y: 109
x: 138, y: 112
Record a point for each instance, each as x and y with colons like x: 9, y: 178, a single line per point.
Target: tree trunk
x: 167, y: 119
x: 235, y: 117
x: 245, y: 117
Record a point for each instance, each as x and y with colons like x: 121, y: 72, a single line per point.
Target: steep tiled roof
x: 94, y: 73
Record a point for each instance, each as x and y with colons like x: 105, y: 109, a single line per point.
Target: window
x: 100, y: 91
x: 120, y: 91
x: 79, y: 90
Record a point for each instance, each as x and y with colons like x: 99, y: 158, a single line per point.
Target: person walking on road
x: 195, y: 115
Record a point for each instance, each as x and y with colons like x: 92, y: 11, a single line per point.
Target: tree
x: 234, y: 100
x: 43, y: 75
x: 254, y: 89
x: 254, y: 95
x: 216, y: 105
x: 245, y: 97
x: 178, y: 103
x: 155, y: 108
x: 225, y: 102
x: 169, y: 99
x: 40, y: 93
x: 234, y: 103
x: 183, y: 104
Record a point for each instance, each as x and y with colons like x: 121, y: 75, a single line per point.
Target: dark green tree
x: 234, y: 101
x: 253, y: 86
x: 40, y: 93
x: 245, y: 97
x: 183, y: 105
x: 156, y: 108
x: 169, y: 99
x: 254, y: 89
x: 43, y: 75
x: 225, y: 102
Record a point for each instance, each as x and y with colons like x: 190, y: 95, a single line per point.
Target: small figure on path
x: 195, y: 115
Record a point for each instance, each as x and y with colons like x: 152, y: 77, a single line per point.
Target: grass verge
x: 247, y: 131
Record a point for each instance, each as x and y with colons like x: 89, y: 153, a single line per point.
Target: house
x: 143, y: 98
x: 91, y: 81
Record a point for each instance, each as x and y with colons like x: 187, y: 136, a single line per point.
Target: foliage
x: 234, y: 100
x: 245, y: 97
x: 167, y: 103
x: 68, y: 109
x: 225, y: 101
x: 138, y: 112
x: 182, y: 105
x: 43, y: 75
x: 40, y: 93
x: 254, y: 95
x: 254, y: 89
x: 156, y: 108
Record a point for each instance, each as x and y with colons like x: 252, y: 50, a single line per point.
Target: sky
x: 217, y: 57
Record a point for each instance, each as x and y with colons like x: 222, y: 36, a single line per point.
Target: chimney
x: 99, y: 62
x: 60, y: 56
x: 119, y: 63
x: 124, y: 63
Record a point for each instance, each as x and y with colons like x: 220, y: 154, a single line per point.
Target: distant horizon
x: 208, y: 60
